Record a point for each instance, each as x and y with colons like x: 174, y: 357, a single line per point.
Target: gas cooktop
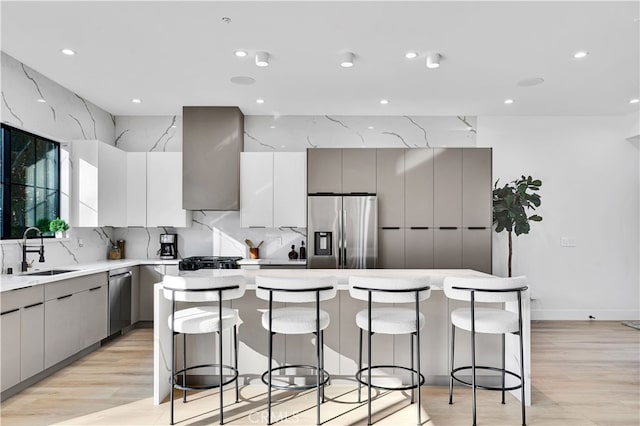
x: 208, y: 262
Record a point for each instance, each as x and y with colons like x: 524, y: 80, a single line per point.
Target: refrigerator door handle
x: 339, y: 240
x: 344, y: 238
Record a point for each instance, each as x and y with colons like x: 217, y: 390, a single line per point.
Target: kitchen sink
x: 52, y: 272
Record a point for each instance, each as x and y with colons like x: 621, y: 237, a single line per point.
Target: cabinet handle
x: 95, y: 288
x: 477, y: 227
x: 321, y: 193
x: 64, y: 297
x: 22, y: 288
x: 11, y: 311
x: 448, y: 227
x: 34, y: 304
x: 391, y: 227
x: 257, y: 227
x: 419, y: 227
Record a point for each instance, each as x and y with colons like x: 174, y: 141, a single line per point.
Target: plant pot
x: 61, y: 234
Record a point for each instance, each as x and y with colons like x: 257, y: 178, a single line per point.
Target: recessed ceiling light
x: 272, y: 127
x: 411, y: 55
x: 384, y: 101
x: 634, y: 101
x: 433, y: 60
x: 240, y: 53
x: 346, y: 59
x: 136, y: 101
x: 42, y: 101
x: 67, y: 52
x: 283, y: 146
x: 262, y: 59
x: 580, y: 55
x: 370, y: 127
x: 260, y: 101
x: 508, y: 101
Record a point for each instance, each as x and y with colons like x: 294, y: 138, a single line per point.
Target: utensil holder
x: 254, y: 253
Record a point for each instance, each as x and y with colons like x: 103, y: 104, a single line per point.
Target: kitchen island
x: 341, y: 337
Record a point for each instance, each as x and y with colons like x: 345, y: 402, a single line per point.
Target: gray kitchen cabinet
x: 10, y: 350
x: 447, y: 187
x: 447, y: 248
x: 476, y: 187
x: 391, y: 248
x: 93, y: 312
x: 61, y: 328
x: 32, y: 339
x: 359, y: 170
x: 476, y: 249
x: 418, y: 187
x: 149, y: 276
x: 324, y: 170
x: 212, y: 140
x: 390, y: 176
x: 418, y: 253
x: 135, y: 294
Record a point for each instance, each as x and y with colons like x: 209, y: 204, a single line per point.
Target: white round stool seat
x: 203, y: 319
x: 295, y: 320
x: 390, y: 320
x: 488, y: 320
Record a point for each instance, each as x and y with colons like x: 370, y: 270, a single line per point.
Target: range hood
x: 212, y: 140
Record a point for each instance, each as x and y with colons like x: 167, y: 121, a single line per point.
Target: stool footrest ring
x: 486, y: 387
x: 374, y: 367
x: 324, y: 381
x: 178, y: 375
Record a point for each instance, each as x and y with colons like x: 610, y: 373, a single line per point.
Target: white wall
x: 590, y: 191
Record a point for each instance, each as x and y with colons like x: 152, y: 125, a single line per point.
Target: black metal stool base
x: 491, y: 388
x: 179, y: 373
x: 374, y: 367
x: 325, y: 378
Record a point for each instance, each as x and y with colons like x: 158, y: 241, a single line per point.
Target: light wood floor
x: 584, y: 373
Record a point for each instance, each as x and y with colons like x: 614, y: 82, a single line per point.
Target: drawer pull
x: 11, y: 311
x: 419, y: 227
x: 22, y: 288
x: 95, y: 288
x: 64, y: 297
x: 477, y: 227
x: 391, y: 227
x: 34, y: 304
x: 448, y: 227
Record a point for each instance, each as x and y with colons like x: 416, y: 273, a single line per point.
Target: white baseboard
x: 583, y: 314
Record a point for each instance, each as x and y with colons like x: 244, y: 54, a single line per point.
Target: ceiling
x: 171, y: 54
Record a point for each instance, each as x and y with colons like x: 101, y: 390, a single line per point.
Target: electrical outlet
x: 567, y: 241
x: 80, y: 242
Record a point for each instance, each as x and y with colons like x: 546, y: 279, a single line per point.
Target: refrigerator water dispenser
x: 323, y: 243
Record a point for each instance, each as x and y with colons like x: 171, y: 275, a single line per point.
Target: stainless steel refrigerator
x: 342, y: 232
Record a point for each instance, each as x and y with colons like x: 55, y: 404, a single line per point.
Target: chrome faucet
x: 25, y: 250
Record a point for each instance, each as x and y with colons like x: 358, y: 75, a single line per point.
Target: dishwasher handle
x: 128, y: 273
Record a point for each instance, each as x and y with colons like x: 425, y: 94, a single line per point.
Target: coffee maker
x: 168, y: 246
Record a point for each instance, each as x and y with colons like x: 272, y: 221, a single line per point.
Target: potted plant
x: 59, y: 227
x: 510, y: 205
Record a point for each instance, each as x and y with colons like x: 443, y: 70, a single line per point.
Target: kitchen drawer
x: 74, y: 285
x: 22, y: 297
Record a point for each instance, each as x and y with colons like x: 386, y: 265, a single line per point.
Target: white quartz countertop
x: 437, y: 276
x: 272, y: 262
x: 16, y: 281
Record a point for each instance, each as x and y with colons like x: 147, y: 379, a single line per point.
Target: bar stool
x: 296, y: 320
x: 486, y: 320
x: 203, y: 319
x: 390, y: 321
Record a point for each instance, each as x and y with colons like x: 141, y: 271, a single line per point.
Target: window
x: 29, y: 182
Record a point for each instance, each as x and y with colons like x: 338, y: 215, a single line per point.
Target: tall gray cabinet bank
x: 434, y: 204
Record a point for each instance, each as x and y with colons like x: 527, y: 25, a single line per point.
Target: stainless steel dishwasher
x: 119, y: 300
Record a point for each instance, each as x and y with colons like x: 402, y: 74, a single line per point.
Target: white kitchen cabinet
x: 31, y: 340
x: 256, y: 189
x: 164, y: 190
x: 10, y: 350
x: 273, y: 189
x: 290, y: 189
x: 136, y: 189
x: 98, y: 195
